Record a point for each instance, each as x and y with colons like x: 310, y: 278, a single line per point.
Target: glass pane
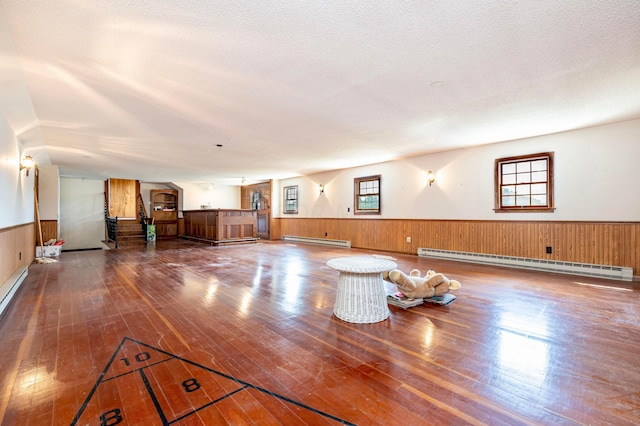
x: 523, y: 177
x: 523, y: 190
x: 508, y: 201
x: 508, y: 190
x: 291, y: 206
x: 508, y: 168
x: 539, y: 165
x: 369, y: 187
x: 539, y: 177
x: 508, y: 179
x: 539, y: 200
x: 291, y: 193
x: 363, y: 203
x: 522, y: 200
x: 369, y: 202
x: 539, y: 188
x: 525, y: 166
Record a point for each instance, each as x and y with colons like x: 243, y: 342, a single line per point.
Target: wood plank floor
x: 189, y: 334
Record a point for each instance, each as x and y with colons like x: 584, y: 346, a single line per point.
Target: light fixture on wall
x: 321, y: 188
x: 27, y: 163
x: 431, y: 177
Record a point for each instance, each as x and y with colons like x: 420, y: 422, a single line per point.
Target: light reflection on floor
x: 292, y: 284
x: 523, y: 350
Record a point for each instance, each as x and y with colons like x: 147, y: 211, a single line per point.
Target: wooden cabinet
x: 164, y: 211
x: 221, y: 226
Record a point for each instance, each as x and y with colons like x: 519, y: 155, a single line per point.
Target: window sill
x: 525, y: 210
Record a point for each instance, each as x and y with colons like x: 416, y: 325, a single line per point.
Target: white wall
x: 214, y: 195
x: 81, y: 213
x: 16, y: 188
x: 596, y: 171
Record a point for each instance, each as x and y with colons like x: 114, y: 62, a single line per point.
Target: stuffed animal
x: 415, y: 287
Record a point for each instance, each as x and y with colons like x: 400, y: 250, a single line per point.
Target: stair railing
x: 142, y: 213
x: 111, y: 224
x: 112, y: 230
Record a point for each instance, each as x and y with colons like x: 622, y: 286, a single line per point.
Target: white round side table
x: 361, y: 296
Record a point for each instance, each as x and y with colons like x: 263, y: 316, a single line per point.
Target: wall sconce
x: 27, y: 163
x: 321, y: 188
x: 431, y: 177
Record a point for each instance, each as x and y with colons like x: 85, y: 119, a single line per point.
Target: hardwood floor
x: 188, y: 334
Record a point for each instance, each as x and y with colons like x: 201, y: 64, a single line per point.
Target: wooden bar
x: 221, y: 226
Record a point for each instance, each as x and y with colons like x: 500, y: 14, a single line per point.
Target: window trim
x: 356, y: 193
x: 498, y: 208
x: 284, y: 197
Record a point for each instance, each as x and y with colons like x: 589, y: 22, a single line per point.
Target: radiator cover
x: 320, y: 241
x: 622, y: 273
x: 9, y: 287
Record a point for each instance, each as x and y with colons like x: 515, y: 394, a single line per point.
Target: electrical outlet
x: 348, y: 209
x: 325, y: 234
x: 408, y: 239
x: 549, y: 250
x: 20, y: 256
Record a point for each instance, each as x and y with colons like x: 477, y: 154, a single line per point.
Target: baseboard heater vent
x: 590, y: 270
x: 321, y: 241
x: 8, y: 289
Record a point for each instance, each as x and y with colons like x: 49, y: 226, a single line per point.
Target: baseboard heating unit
x: 622, y: 273
x: 321, y: 241
x: 8, y: 289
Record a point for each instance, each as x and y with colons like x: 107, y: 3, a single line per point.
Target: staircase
x: 125, y: 232
x: 130, y: 232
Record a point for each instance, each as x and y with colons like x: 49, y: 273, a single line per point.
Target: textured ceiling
x: 149, y: 89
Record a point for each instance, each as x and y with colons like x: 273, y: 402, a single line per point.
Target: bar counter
x: 221, y: 226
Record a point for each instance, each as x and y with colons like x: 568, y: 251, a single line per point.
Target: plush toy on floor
x: 414, y: 286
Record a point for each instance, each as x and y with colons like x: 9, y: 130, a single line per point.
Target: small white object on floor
x: 44, y: 260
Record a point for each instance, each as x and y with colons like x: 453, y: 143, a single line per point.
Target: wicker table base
x: 361, y: 296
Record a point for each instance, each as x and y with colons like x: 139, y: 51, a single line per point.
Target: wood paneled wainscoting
x: 601, y: 243
x: 18, y: 250
x: 49, y: 231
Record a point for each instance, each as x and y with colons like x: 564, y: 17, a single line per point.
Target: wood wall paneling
x: 123, y: 197
x: 602, y: 243
x: 17, y: 248
x: 49, y: 231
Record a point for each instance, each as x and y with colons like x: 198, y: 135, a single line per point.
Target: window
x: 524, y: 183
x: 291, y: 199
x: 367, y: 195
